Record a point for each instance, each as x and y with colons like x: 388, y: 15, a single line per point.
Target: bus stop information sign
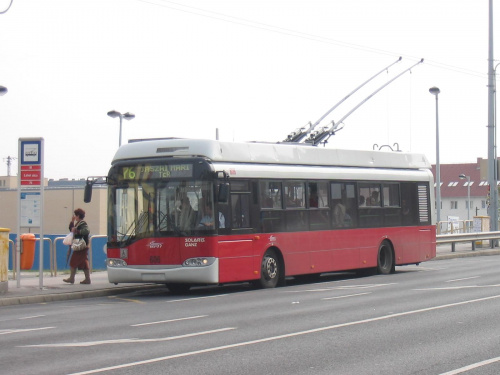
x: 31, y: 162
x: 30, y: 195
x: 30, y: 176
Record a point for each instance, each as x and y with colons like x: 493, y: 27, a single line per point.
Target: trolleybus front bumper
x: 164, y: 274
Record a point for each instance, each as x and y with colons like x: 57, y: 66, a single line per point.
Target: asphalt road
x: 437, y: 318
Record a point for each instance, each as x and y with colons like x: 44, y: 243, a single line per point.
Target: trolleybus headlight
x: 113, y: 262
x: 198, y: 262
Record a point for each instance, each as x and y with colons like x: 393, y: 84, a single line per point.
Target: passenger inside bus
x: 207, y: 221
x: 375, y: 198
x: 362, y: 201
x: 313, y: 198
x: 186, y: 216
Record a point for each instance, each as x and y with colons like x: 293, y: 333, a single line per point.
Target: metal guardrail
x: 468, y: 237
x: 453, y: 227
x: 13, y: 256
x: 91, y: 240
x: 52, y: 253
x: 52, y: 259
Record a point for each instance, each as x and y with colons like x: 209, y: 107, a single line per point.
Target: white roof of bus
x: 268, y: 153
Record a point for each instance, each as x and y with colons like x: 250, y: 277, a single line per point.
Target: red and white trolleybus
x: 186, y: 212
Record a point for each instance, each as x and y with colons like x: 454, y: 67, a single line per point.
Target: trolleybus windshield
x: 149, y: 200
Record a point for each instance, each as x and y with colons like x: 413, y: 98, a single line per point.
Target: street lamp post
x: 435, y: 91
x: 495, y: 97
x: 492, y: 152
x: 463, y: 176
x: 126, y: 116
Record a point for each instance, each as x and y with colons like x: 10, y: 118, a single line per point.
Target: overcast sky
x: 254, y: 69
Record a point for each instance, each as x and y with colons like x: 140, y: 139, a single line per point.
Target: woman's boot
x: 71, y: 278
x: 87, y: 277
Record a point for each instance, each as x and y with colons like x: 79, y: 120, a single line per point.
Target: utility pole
x: 9, y: 160
x: 492, y: 154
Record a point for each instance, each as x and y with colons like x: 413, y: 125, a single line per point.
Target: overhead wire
x: 299, y: 34
x: 5, y: 11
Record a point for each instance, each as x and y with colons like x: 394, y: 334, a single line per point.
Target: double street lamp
x: 463, y: 176
x: 435, y: 91
x: 126, y: 116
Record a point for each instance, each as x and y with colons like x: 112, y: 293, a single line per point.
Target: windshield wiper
x: 170, y: 224
x: 141, y: 222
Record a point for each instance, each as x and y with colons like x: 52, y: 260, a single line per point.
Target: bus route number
x: 128, y: 173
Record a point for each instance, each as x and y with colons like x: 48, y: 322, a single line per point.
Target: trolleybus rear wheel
x: 385, y: 259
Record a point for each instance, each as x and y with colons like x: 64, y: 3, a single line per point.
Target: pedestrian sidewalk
x: 464, y: 249
x: 54, y: 289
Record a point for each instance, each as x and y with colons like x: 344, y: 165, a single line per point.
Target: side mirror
x: 87, y: 193
x: 223, y: 195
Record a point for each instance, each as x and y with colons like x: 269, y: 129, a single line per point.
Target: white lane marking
x: 465, y: 278
x: 344, y: 287
x: 169, y: 321
x: 422, y: 269
x: 350, y: 295
x: 32, y: 317
x: 196, y: 298
x: 9, y: 331
x: 366, y: 286
x: 280, y: 337
x: 472, y: 367
x: 124, y: 341
x: 310, y: 290
x: 462, y: 287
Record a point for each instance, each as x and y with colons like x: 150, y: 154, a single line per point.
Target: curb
x: 471, y: 253
x: 43, y: 298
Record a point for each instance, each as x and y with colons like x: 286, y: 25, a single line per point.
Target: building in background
x: 62, y: 197
x: 454, y: 195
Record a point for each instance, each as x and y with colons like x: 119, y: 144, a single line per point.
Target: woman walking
x: 79, y: 259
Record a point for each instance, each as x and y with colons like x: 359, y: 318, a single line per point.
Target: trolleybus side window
x: 318, y: 194
x: 295, y: 194
x: 270, y: 194
x: 391, y: 203
x: 344, y: 206
x: 272, y: 214
x: 409, y: 203
x: 319, y: 213
x: 370, y: 213
x: 240, y: 204
x: 370, y: 194
x: 391, y: 195
x: 351, y: 206
x: 295, y: 202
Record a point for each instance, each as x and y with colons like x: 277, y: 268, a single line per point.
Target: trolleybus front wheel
x: 270, y: 270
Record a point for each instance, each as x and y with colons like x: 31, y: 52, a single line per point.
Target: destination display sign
x: 155, y: 171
